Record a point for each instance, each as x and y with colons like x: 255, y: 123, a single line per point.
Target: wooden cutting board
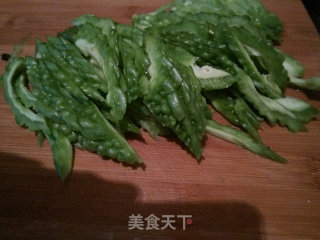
x: 231, y: 194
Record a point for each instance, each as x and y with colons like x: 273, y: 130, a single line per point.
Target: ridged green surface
x: 100, y: 79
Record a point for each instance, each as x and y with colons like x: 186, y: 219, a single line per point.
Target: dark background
x: 313, y: 7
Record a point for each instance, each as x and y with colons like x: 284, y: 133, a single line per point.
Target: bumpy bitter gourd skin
x: 262, y: 20
x: 258, y: 90
x: 83, y: 118
x: 21, y: 101
x: 170, y: 94
x: 100, y: 79
x: 92, y: 42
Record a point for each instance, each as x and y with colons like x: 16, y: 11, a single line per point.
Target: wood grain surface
x: 231, y: 195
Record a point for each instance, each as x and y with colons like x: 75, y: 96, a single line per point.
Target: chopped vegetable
x: 169, y: 94
x: 312, y: 84
x: 242, y: 139
x: 100, y: 79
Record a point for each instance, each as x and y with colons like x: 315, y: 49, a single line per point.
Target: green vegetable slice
x: 236, y: 111
x: 258, y: 16
x: 268, y: 87
x: 62, y: 153
x: 79, y: 116
x: 276, y: 109
x: 171, y: 89
x: 242, y: 139
x: 24, y: 116
x: 210, y: 78
x: 24, y: 93
x: 92, y: 42
x: 308, y: 84
x: 293, y: 67
x: 77, y: 62
x: 140, y: 114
